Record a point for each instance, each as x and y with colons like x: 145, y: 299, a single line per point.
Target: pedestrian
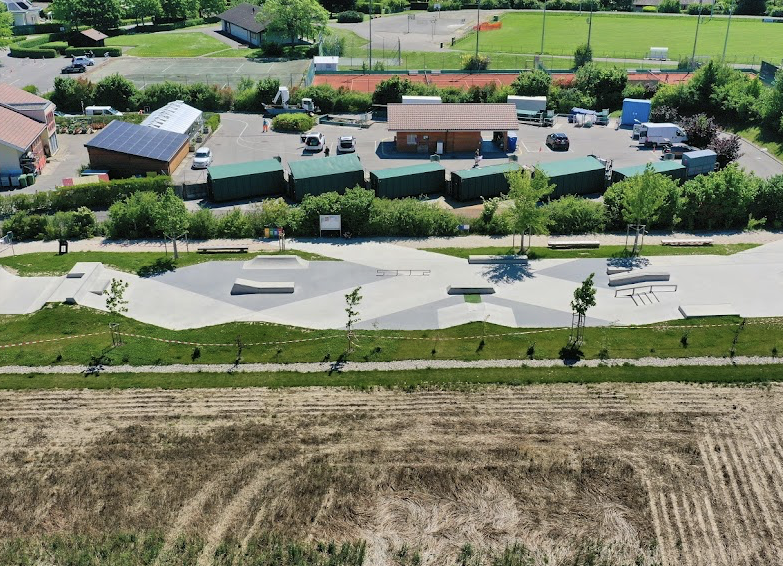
x: 326, y: 152
x: 477, y: 158
x: 266, y: 125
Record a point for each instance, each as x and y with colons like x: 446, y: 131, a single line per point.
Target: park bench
x: 687, y: 242
x: 571, y: 244
x: 504, y: 259
x: 223, y: 250
x: 639, y: 276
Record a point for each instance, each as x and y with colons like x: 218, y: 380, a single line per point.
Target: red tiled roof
x: 17, y: 130
x: 11, y: 95
x: 452, y: 117
x: 94, y: 34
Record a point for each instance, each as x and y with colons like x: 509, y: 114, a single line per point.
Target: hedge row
x: 97, y: 51
x: 32, y: 49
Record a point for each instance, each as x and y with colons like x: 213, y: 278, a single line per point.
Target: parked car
x: 677, y: 149
x: 83, y: 60
x: 72, y: 69
x: 558, y: 140
x: 347, y: 144
x: 203, y: 158
x: 314, y: 141
x: 101, y: 111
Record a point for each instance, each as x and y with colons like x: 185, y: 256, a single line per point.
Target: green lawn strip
x: 764, y: 137
x: 607, y: 252
x: 407, y: 380
x: 271, y: 343
x: 628, y: 36
x: 473, y: 299
x: 141, y: 263
x: 186, y: 44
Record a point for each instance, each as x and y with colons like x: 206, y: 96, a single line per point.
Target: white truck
x: 528, y: 103
x: 652, y: 133
x: 408, y: 99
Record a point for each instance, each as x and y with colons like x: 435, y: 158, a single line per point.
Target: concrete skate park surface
x: 399, y: 294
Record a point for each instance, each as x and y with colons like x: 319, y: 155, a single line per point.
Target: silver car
x: 203, y: 158
x: 347, y: 144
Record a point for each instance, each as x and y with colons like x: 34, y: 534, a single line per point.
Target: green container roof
x: 658, y: 167
x: 491, y: 170
x: 408, y: 170
x: 571, y: 166
x: 320, y: 166
x: 243, y: 169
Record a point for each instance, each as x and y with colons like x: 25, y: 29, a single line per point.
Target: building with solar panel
x: 176, y: 117
x: 128, y: 149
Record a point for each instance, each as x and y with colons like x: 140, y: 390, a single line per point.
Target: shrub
x: 74, y: 225
x: 649, y: 9
x: 26, y: 226
x: 271, y: 49
x: 202, y: 225
x: 583, y: 55
x: 272, y: 213
x: 32, y: 89
x: 293, y: 122
x: 98, y: 51
x: 475, y: 63
x: 115, y: 91
x: 701, y: 130
x: 768, y: 202
x: 102, y: 195
x: 323, y: 96
x: 352, y: 101
x: 350, y: 17
x: 233, y: 224
x: 212, y: 120
x: 134, y: 217
x: 532, y: 83
x: 32, y: 48
x: 575, y: 215
x: 669, y: 6
x: 59, y: 46
x: 719, y: 200
x: 667, y: 214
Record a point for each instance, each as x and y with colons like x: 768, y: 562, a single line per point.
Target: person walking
x: 477, y: 159
x: 266, y: 125
x: 326, y: 151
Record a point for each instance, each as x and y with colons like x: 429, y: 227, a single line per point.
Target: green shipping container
x: 245, y: 180
x: 673, y: 169
x: 319, y: 175
x: 410, y: 181
x: 580, y: 176
x: 486, y: 182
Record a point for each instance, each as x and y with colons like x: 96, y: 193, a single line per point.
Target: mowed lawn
x: 631, y: 36
x: 164, y: 44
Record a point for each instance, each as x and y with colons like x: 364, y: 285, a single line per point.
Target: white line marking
x: 242, y: 65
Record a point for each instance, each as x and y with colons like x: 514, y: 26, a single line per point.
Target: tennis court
x: 210, y: 70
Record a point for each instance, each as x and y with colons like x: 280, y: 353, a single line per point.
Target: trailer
x: 321, y: 175
x: 699, y: 162
x: 245, y: 180
x: 528, y: 103
x: 408, y: 99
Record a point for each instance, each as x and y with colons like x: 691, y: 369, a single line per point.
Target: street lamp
x: 478, y: 24
x: 370, y: 35
x: 590, y: 24
x: 696, y: 38
x: 726, y: 41
x: 543, y: 28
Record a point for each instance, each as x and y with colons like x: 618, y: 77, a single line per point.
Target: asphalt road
x: 38, y: 72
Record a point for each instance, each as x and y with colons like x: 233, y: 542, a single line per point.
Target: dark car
x: 677, y: 149
x: 71, y: 69
x: 558, y: 141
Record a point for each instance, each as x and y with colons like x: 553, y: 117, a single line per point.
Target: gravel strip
x: 402, y: 365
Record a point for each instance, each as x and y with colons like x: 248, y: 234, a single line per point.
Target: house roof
x: 93, y: 34
x: 244, y: 16
x: 17, y: 130
x: 14, y: 97
x: 451, y: 117
x: 176, y: 117
x: 142, y: 141
x: 244, y: 169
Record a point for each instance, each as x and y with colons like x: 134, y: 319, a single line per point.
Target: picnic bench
x: 687, y: 242
x: 571, y: 244
x: 223, y: 250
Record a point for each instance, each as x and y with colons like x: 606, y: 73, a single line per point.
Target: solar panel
x: 144, y: 141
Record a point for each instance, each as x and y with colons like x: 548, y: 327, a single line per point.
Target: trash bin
x: 63, y: 247
x: 512, y: 142
x: 23, y: 181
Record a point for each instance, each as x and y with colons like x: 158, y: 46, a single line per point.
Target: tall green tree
x: 210, y: 7
x: 606, y: 84
x: 99, y: 14
x: 583, y: 55
x: 294, y: 18
x: 6, y: 23
x: 142, y: 9
x: 643, y: 198
x: 525, y: 192
x: 115, y: 91
x: 171, y: 218
x: 72, y: 95
x: 532, y: 83
x: 178, y: 9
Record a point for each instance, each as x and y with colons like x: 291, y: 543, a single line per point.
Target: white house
x: 24, y: 12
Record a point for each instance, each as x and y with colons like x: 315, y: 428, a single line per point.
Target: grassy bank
x: 140, y: 263
x: 411, y: 379
x: 185, y: 44
x: 604, y: 252
x: 280, y: 344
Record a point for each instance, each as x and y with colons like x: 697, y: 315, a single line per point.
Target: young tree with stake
x: 642, y: 200
x: 172, y: 218
x: 352, y: 301
x: 584, y: 298
x: 116, y: 305
x: 526, y: 191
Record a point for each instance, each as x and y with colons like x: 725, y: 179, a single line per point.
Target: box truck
x: 421, y: 99
x: 528, y: 103
x: 652, y: 133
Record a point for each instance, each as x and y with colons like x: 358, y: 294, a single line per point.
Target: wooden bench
x: 505, y: 259
x: 223, y: 250
x: 687, y: 242
x: 571, y: 244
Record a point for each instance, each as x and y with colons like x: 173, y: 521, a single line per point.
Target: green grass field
x: 630, y: 36
x: 602, y: 252
x: 186, y: 44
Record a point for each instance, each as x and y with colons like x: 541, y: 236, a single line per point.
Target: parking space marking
x: 238, y: 68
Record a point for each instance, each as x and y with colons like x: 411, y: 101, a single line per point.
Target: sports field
x: 186, y: 44
x: 631, y: 36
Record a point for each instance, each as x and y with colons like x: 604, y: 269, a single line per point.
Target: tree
x: 391, y: 90
x: 70, y: 12
x: 336, y: 6
x: 72, y: 95
x: 6, y: 22
x: 159, y: 94
x: 606, y: 84
x: 526, y: 191
x: 727, y: 148
x: 178, y: 9
x: 352, y: 301
x: 115, y: 91
x: 584, y: 298
x: 100, y: 14
x: 700, y: 129
x: 116, y: 305
x: 171, y: 219
x: 211, y: 7
x: 294, y: 18
x: 141, y: 9
x: 533, y: 83
x: 642, y: 200
x: 583, y: 55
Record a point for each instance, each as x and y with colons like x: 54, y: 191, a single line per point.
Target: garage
x: 240, y: 23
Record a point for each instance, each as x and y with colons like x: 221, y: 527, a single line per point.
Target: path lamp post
x: 728, y: 25
x: 696, y: 37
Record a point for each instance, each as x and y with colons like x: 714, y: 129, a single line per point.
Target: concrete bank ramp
x: 248, y: 287
x: 276, y: 262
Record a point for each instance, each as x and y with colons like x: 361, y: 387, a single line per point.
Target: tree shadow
x: 571, y: 354
x: 158, y: 267
x: 626, y: 259
x: 507, y: 273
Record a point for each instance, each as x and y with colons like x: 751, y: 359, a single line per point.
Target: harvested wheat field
x: 669, y: 474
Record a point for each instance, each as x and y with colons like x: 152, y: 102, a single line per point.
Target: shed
x: 245, y: 180
x: 240, y: 23
x: 671, y: 168
x: 472, y: 184
x: 88, y: 38
x: 699, y: 162
x: 580, y: 176
x: 448, y: 128
x: 128, y: 149
x: 635, y: 110
x: 176, y: 117
x: 413, y: 180
x: 321, y: 175
x: 326, y: 63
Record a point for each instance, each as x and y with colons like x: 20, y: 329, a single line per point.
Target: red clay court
x: 368, y: 83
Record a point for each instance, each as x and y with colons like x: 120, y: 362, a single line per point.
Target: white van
x: 101, y: 110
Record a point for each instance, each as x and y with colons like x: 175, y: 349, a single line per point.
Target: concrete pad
x: 485, y: 259
x: 475, y: 312
x: 642, y: 276
x: 82, y: 269
x: 248, y: 287
x: 24, y: 295
x: 276, y: 262
x: 693, y: 311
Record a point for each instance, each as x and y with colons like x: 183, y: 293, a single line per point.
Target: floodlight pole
x: 543, y: 29
x: 696, y: 38
x: 478, y: 25
x: 590, y: 24
x: 370, y: 35
x: 726, y: 41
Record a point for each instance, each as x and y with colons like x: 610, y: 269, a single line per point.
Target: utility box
x: 486, y: 182
x: 673, y: 169
x: 699, y: 162
x: 528, y: 103
x: 410, y: 181
x: 245, y: 180
x: 635, y: 110
x: 581, y: 176
x: 322, y: 175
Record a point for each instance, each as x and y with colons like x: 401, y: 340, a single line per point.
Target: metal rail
x: 668, y: 288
